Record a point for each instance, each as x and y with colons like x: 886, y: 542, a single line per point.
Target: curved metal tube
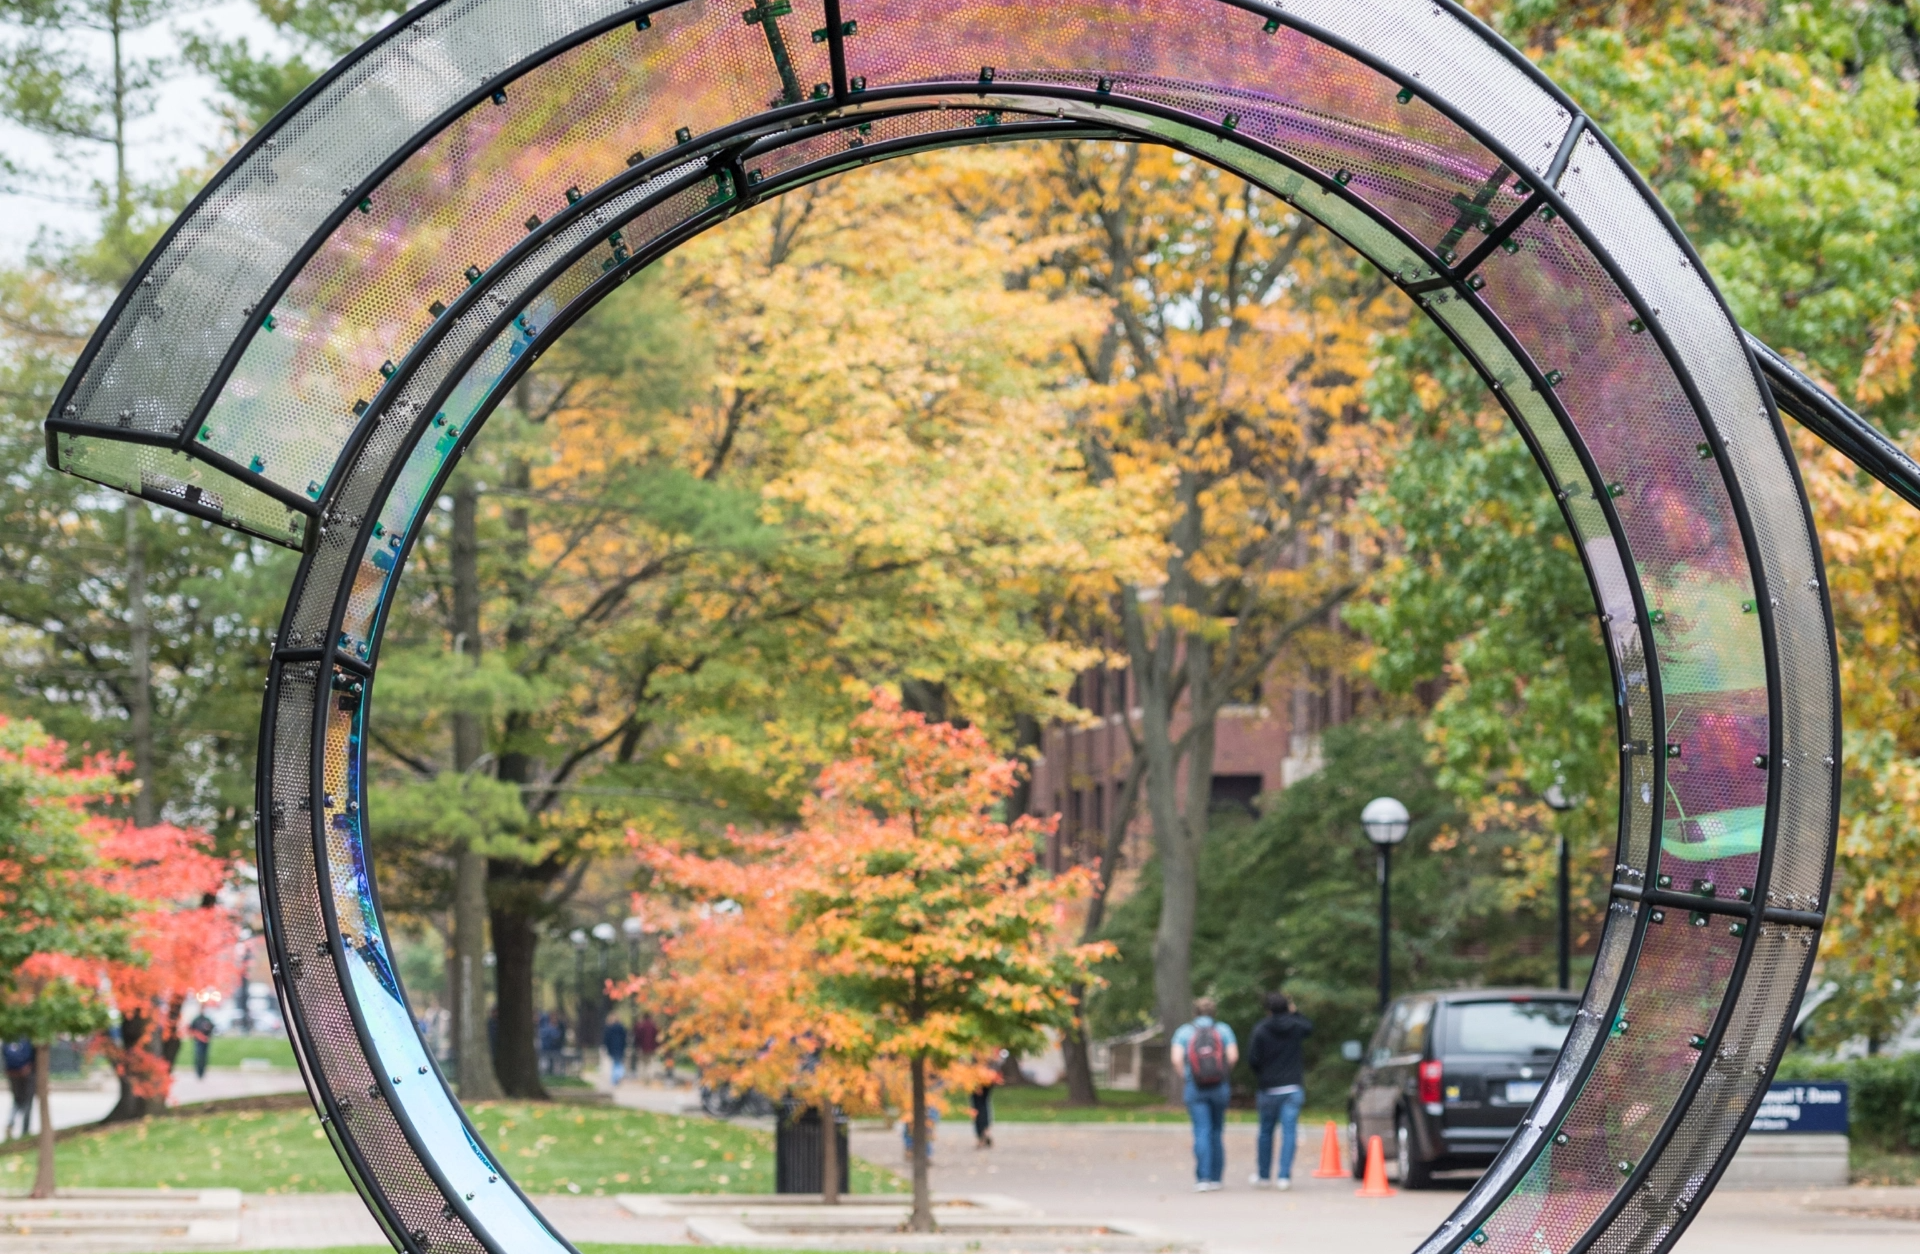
x: 1822, y: 413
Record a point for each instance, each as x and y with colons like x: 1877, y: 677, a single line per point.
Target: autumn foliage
x: 104, y: 915
x: 183, y: 941
x: 885, y: 950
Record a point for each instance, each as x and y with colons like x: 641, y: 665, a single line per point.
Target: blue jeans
x: 1207, y: 1107
x: 1284, y: 1109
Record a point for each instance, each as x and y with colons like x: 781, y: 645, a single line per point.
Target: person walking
x: 613, y: 1039
x: 1279, y: 1080
x: 646, y: 1039
x: 19, y: 1059
x: 201, y: 1031
x: 981, y: 1099
x: 1203, y: 1055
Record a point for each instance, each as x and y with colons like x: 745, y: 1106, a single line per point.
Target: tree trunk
x: 475, y: 1067
x: 43, y: 1094
x: 1079, y: 1054
x: 1161, y: 677
x: 922, y: 1220
x: 1076, y: 1045
x: 516, y: 1060
x: 516, y: 890
x: 140, y: 663
x: 467, y: 974
x: 1026, y: 737
x: 829, y: 1155
x: 130, y: 1105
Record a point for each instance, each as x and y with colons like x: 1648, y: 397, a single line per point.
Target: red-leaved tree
x: 181, y: 942
x: 184, y: 943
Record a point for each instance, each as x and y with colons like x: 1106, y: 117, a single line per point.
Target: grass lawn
x: 546, y: 1148
x: 229, y: 1051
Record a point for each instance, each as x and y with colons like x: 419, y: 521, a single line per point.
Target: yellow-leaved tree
x: 827, y: 446
x: 1871, y: 947
x: 1223, y: 394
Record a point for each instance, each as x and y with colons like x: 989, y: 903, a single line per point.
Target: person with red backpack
x: 1204, y: 1052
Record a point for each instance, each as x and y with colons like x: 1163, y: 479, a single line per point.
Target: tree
x: 924, y: 914
x: 1486, y: 609
x: 182, y: 942
x: 58, y: 914
x: 1871, y: 946
x: 116, y: 616
x: 899, y: 929
x: 1225, y: 380
x: 740, y: 992
x: 1293, y: 903
x: 259, y: 83
x: 56, y: 86
x: 823, y: 449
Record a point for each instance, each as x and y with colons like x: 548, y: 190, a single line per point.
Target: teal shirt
x: 1184, y: 1033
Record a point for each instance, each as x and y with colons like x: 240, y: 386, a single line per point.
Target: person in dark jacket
x: 20, y: 1056
x: 1279, y: 1081
x: 613, y: 1039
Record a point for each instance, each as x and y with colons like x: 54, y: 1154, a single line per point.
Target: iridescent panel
x: 451, y: 210
x: 1594, y: 352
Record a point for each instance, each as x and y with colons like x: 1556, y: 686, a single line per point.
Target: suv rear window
x: 1508, y: 1027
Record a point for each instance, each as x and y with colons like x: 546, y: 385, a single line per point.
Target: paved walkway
x: 75, y: 1106
x: 1143, y: 1171
x: 1099, y: 1171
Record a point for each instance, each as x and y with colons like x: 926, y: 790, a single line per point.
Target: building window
x: 1234, y: 792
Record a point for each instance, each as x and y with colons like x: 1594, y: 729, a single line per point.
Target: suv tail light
x: 1430, y: 1082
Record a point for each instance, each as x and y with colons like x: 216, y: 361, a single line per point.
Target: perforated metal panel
x: 306, y: 353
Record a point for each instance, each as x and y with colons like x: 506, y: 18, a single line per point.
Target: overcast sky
x: 180, y: 131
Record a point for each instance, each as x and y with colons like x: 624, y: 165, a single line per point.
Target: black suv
x: 1448, y: 1076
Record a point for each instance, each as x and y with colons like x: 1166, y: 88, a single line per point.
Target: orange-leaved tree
x: 902, y: 928
x: 738, y: 987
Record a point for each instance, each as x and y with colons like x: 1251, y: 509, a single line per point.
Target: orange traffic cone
x: 1375, y: 1185
x: 1330, y: 1167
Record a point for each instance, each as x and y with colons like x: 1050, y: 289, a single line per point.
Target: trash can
x: 796, y: 1150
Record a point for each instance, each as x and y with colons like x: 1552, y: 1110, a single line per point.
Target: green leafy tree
x: 257, y: 83
x: 1487, y: 605
x: 1292, y: 903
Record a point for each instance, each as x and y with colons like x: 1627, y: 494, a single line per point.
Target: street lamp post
x: 1385, y: 822
x: 579, y: 938
x: 633, y: 925
x: 1558, y: 801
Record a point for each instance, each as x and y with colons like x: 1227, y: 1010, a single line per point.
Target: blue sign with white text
x: 1803, y: 1106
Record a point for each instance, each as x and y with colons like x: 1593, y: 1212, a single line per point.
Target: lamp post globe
x: 632, y: 926
x: 1385, y: 822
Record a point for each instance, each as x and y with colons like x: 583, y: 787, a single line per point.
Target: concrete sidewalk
x: 1145, y: 1172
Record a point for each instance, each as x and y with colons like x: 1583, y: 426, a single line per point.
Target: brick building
x: 1259, y: 747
